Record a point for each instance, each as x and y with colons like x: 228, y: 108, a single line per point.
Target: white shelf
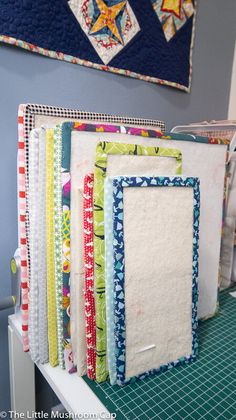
x: 72, y: 391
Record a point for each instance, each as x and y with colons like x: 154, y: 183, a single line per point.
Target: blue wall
x: 25, y: 77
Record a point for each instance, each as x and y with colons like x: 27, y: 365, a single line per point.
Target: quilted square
x: 112, y: 159
x: 109, y: 26
x: 79, y: 142
x: 156, y: 282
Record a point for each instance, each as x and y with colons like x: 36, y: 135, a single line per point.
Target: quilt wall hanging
x: 151, y: 295
x: 32, y: 116
x: 149, y: 39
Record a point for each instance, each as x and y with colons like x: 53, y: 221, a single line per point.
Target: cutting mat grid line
x: 204, y: 390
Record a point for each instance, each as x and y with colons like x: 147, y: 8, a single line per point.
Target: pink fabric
x: 89, y: 276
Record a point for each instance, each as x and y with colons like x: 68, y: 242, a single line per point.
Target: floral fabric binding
x: 89, y: 276
x: 65, y: 234
x: 119, y: 260
x: 103, y: 149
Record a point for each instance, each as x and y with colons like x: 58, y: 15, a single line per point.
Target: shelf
x: 72, y: 391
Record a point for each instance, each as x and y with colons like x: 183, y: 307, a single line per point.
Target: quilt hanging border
x: 119, y: 260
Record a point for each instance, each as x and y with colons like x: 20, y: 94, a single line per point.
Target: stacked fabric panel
x: 114, y: 246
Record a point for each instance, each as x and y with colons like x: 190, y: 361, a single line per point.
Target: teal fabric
x: 110, y: 316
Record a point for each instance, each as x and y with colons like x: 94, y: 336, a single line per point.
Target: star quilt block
x: 109, y: 27
x: 150, y: 40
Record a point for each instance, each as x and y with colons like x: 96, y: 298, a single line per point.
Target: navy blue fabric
x: 53, y: 26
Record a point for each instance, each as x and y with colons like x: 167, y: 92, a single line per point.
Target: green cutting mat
x: 205, y: 389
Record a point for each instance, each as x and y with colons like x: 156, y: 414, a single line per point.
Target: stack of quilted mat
x: 119, y: 258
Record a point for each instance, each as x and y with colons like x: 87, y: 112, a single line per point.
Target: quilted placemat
x: 84, y: 138
x: 72, y: 286
x: 155, y: 300
x: 89, y: 276
x: 211, y: 173
x: 83, y: 146
x: 32, y: 116
x: 51, y: 285
x: 151, y: 40
x: 150, y: 160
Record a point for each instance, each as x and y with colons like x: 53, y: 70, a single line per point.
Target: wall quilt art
x: 149, y: 39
